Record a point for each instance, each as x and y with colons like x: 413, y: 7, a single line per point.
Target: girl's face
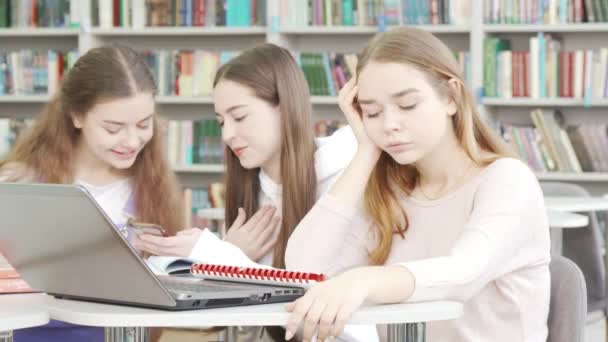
x: 116, y: 131
x: 251, y: 127
x: 402, y: 113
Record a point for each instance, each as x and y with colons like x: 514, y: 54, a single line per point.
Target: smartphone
x: 140, y: 228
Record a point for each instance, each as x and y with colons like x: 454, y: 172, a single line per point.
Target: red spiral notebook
x: 267, y: 276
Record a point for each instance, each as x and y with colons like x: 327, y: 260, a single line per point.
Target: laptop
x: 61, y: 242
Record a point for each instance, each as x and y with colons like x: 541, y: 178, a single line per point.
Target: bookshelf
x: 463, y: 36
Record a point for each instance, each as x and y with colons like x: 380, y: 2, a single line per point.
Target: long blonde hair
x: 47, y: 150
x: 427, y: 53
x: 274, y: 76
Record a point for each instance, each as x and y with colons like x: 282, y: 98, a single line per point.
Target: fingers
x: 253, y: 221
x: 298, y: 310
x: 263, y: 222
x: 268, y: 231
x: 240, y: 219
x: 147, y: 247
x: 326, y: 321
x: 158, y: 240
x: 191, y: 231
x: 311, y: 321
x: 342, y: 317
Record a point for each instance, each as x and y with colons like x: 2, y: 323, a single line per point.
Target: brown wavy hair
x: 389, y: 179
x: 46, y: 151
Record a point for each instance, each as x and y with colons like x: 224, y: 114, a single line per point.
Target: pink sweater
x: 485, y: 244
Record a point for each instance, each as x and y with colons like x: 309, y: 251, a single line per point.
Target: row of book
x: 194, y: 142
x: 550, y: 145
x: 39, y: 13
x: 326, y: 73
x: 545, y: 71
x: 186, y: 73
x: 545, y: 11
x: 374, y: 12
x: 183, y: 13
x: 28, y: 72
x: 200, y: 142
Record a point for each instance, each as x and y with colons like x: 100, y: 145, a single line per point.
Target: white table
x: 576, y: 204
x: 19, y: 311
x: 406, y: 321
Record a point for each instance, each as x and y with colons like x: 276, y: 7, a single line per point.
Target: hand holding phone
x: 140, y: 228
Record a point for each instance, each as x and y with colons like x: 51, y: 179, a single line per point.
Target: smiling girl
x: 100, y: 131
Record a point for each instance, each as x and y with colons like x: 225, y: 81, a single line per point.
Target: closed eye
x: 372, y: 115
x: 407, y: 107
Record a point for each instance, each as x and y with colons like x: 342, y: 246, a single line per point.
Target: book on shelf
x: 40, y: 13
x: 185, y: 72
x: 194, y: 142
x: 178, y: 13
x: 546, y: 70
x: 547, y: 12
x: 31, y: 72
x: 549, y: 145
x: 298, y: 13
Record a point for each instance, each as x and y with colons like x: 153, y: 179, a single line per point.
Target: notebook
x: 166, y: 265
x: 267, y: 276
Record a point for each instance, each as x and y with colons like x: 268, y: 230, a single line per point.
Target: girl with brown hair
x: 100, y: 131
x: 275, y: 168
x: 445, y: 207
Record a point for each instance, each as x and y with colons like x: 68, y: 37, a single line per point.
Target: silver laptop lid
x: 62, y: 243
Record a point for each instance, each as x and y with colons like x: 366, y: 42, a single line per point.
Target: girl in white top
x: 101, y: 131
x: 443, y: 206
x: 275, y: 168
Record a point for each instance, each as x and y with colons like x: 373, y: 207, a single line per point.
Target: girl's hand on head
x: 180, y: 245
x: 327, y: 306
x: 352, y: 112
x: 258, y: 235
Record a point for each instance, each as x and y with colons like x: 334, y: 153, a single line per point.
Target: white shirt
x: 112, y: 198
x: 332, y: 155
x: 486, y: 244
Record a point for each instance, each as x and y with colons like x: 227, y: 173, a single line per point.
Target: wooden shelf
x: 533, y: 28
x: 38, y: 32
x: 199, y: 168
x: 179, y: 31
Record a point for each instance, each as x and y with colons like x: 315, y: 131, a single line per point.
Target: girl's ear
x: 454, y: 90
x: 77, y: 121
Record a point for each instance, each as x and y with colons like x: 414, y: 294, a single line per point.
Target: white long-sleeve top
x: 332, y: 155
x: 486, y: 244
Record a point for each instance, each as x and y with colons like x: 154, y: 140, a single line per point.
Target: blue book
x: 328, y: 72
x: 244, y: 13
x: 542, y: 67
